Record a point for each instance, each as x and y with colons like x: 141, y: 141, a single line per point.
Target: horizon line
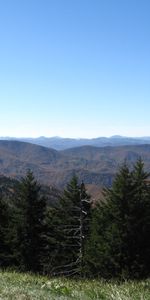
x: 75, y: 138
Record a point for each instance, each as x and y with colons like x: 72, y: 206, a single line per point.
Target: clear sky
x: 74, y: 68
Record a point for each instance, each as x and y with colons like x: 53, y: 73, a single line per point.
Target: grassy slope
x: 25, y: 287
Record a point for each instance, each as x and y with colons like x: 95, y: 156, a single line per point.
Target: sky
x: 74, y: 68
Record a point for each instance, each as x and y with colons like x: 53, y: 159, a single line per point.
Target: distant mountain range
x: 59, y: 143
x: 94, y: 165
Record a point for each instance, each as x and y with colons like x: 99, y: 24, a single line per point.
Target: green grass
x: 25, y: 287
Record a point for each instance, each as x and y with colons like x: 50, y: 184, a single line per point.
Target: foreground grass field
x: 25, y: 287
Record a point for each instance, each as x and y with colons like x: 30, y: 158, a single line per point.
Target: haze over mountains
x: 94, y: 165
x: 59, y: 143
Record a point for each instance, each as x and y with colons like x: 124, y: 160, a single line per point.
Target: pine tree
x: 119, y: 245
x: 5, y: 243
x: 54, y: 235
x: 72, y: 228
x: 140, y: 222
x: 31, y: 224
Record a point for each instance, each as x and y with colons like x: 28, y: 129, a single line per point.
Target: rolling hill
x: 59, y: 143
x: 95, y: 165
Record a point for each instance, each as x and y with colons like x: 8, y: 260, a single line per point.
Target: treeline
x: 77, y: 237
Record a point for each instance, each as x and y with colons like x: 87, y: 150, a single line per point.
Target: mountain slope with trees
x: 94, y: 165
x: 75, y: 236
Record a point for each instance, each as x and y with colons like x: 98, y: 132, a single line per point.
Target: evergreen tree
x: 140, y: 222
x: 119, y: 245
x: 54, y: 235
x: 5, y: 241
x: 31, y: 228
x: 72, y: 228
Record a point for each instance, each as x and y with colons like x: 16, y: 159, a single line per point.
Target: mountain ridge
x: 94, y: 165
x: 59, y: 143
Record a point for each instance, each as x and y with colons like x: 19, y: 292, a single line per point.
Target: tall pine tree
x: 5, y: 233
x: 119, y: 245
x: 32, y: 241
x: 72, y: 228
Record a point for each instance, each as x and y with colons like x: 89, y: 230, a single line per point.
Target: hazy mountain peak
x: 60, y: 143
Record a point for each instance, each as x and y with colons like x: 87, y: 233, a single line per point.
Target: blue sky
x: 74, y: 68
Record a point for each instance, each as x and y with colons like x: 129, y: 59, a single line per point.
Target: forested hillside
x: 74, y: 235
x: 96, y: 166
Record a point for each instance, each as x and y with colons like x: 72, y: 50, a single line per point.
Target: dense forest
x: 73, y: 235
